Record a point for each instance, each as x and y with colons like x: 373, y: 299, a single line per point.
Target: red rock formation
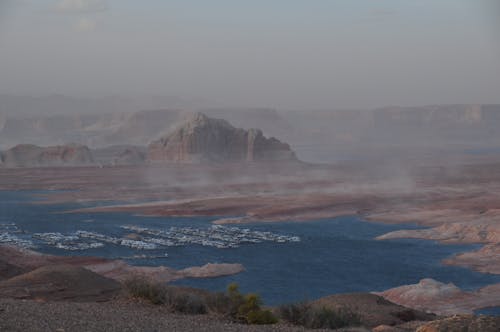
x: 203, y: 139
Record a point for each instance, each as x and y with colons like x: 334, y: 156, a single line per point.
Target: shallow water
x: 334, y: 256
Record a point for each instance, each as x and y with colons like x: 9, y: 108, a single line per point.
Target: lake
x: 337, y: 255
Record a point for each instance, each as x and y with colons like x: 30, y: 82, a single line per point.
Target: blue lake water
x: 334, y: 256
x: 493, y: 311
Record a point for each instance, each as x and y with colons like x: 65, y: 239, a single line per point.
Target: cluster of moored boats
x: 215, y: 236
x: 143, y: 238
x: 9, y: 235
x: 66, y: 242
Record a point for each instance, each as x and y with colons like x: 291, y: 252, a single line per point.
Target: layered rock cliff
x: 27, y: 155
x: 202, y: 139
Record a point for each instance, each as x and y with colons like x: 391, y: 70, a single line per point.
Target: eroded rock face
x: 426, y: 294
x: 202, y: 139
x: 27, y: 155
x: 444, y: 299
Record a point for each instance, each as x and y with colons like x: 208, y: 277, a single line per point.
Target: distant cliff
x: 27, y: 155
x: 202, y: 139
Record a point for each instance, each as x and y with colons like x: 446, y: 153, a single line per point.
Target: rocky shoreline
x: 27, y: 260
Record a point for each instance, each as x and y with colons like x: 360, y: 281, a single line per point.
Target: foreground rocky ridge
x: 23, y: 316
x: 119, y: 316
x: 77, y: 282
x: 68, y: 292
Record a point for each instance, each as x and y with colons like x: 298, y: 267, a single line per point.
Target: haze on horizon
x: 286, y: 54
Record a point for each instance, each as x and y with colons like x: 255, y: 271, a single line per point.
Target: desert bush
x: 219, y: 303
x: 177, y: 299
x: 250, y: 302
x: 294, y: 313
x: 233, y: 304
x: 261, y: 317
x: 142, y: 288
x: 239, y: 307
x: 333, y: 319
x: 227, y: 303
x: 315, y: 318
x: 186, y: 303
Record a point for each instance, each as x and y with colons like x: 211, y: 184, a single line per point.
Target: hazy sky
x: 277, y: 53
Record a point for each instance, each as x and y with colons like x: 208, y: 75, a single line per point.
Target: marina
x: 10, y: 235
x: 143, y: 238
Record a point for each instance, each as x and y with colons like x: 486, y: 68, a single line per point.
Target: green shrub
x: 239, y: 307
x: 233, y: 304
x: 251, y: 302
x: 316, y: 318
x: 261, y: 317
x: 294, y: 313
x: 177, y: 299
x: 219, y: 303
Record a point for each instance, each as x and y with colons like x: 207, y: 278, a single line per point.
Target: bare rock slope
x: 202, y: 139
x: 60, y: 282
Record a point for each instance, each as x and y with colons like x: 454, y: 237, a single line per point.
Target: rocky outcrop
x: 443, y: 299
x: 27, y: 155
x: 486, y: 259
x: 210, y: 270
x: 202, y: 139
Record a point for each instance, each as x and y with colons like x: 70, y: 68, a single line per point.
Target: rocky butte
x: 203, y: 139
x: 27, y: 155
